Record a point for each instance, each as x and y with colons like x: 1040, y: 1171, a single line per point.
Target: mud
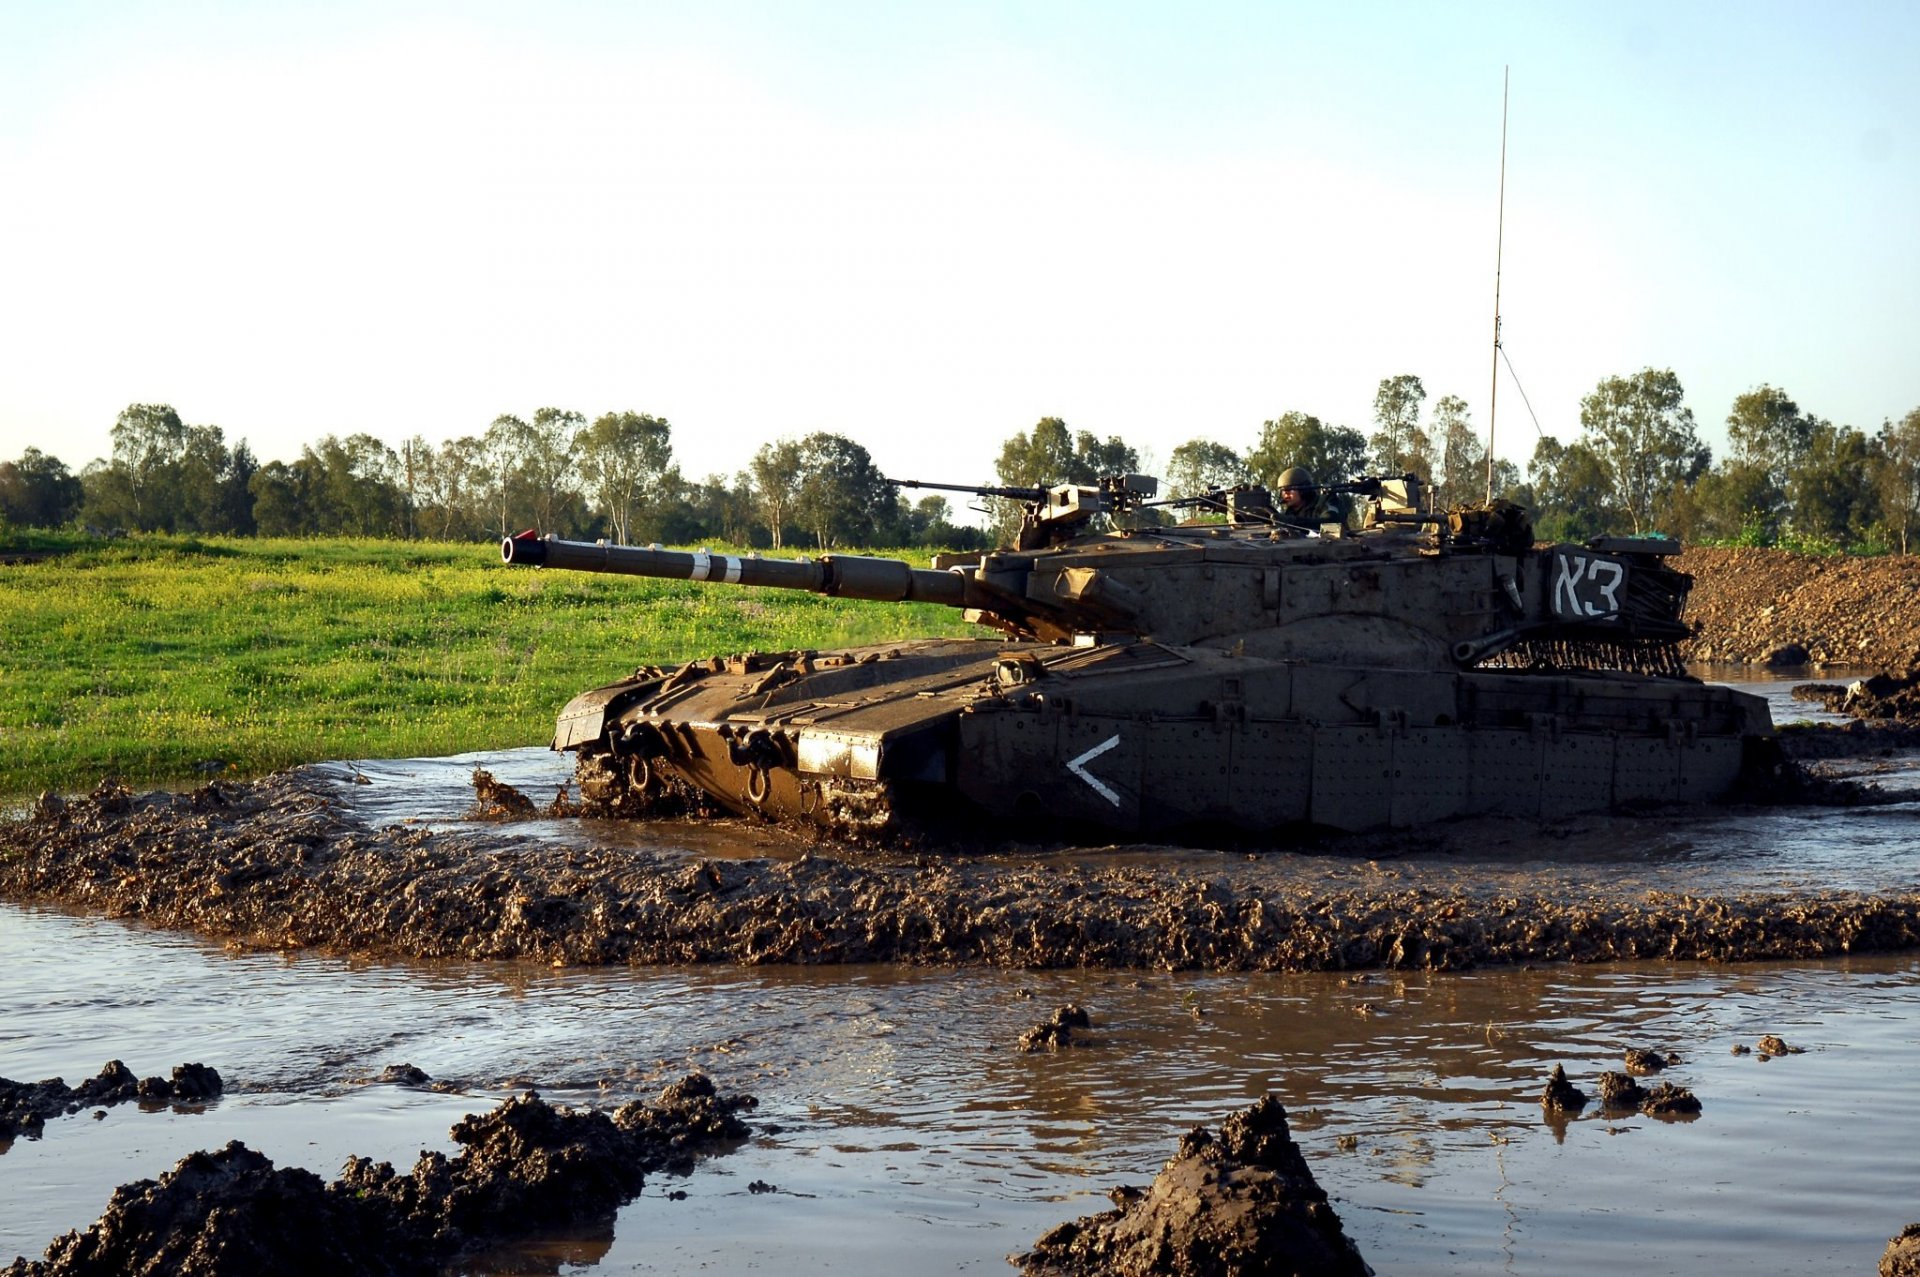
x: 26, y: 1106
x: 280, y: 864
x: 1902, y: 1257
x: 1879, y: 699
x: 1560, y: 1095
x: 1242, y: 1205
x: 526, y: 1167
x: 1668, y: 1100
x: 1057, y: 1031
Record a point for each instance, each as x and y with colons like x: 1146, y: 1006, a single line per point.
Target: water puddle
x: 912, y: 1136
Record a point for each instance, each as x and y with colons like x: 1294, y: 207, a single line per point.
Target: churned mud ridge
x: 1242, y: 1205
x: 524, y: 1168
x: 279, y: 864
x: 26, y: 1106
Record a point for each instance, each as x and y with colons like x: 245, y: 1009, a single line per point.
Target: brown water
x: 912, y: 1137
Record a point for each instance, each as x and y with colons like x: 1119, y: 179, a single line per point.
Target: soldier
x: 1304, y: 505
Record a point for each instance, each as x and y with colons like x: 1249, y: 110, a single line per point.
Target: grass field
x: 155, y: 658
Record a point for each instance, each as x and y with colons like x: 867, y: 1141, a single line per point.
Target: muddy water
x: 914, y: 1138
x: 905, y: 1133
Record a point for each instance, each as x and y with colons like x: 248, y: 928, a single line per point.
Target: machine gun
x: 1391, y: 499
x: 1060, y: 513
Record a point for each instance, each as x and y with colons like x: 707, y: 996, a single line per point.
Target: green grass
x: 147, y: 657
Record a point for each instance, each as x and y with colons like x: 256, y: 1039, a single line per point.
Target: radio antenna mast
x: 1499, y: 247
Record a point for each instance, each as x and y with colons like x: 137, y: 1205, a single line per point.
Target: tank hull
x: 1142, y: 738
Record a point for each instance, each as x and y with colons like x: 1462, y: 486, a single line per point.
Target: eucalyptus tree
x: 774, y: 473
x: 841, y: 498
x: 624, y: 457
x: 1200, y: 466
x: 1898, y: 477
x: 1642, y: 433
x: 1398, y: 443
x: 1330, y: 453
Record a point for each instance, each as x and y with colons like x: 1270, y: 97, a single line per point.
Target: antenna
x: 1499, y: 248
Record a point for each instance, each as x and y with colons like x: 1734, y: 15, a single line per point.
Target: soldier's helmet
x: 1296, y: 477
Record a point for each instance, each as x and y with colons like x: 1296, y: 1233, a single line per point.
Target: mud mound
x: 1244, y: 1205
x: 1881, y: 698
x: 1902, y: 1256
x: 230, y: 1213
x: 526, y: 1167
x: 1758, y: 607
x: 26, y: 1106
x: 277, y: 865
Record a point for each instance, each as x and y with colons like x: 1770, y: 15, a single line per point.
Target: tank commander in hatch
x: 1304, y: 505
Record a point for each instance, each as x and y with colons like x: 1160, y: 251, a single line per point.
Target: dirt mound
x: 526, y: 1167
x: 1880, y: 698
x: 277, y: 864
x: 1761, y: 607
x: 26, y: 1106
x: 1244, y: 1205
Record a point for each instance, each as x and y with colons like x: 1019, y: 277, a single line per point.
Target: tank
x: 1233, y: 673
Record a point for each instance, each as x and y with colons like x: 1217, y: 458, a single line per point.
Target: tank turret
x: 1393, y: 666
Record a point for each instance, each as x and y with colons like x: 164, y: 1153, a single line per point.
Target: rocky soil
x: 1772, y: 607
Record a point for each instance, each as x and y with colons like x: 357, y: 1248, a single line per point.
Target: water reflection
x: 912, y: 1135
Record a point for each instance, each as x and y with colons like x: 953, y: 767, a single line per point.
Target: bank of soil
x: 283, y: 864
x: 1757, y: 607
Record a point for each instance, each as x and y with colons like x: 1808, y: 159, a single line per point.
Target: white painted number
x: 1586, y: 587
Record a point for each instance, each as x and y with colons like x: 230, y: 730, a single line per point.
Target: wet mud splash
x: 284, y: 863
x: 525, y: 1167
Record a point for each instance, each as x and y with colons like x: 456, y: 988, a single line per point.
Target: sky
x: 927, y: 226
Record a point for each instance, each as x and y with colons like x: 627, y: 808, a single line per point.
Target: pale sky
x: 925, y: 226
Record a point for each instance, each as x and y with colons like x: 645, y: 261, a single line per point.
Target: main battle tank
x: 1244, y: 677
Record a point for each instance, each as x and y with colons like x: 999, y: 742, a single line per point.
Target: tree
x: 1898, y: 477
x: 1461, y: 477
x: 1331, y: 453
x: 282, y: 505
x: 147, y: 440
x: 1050, y: 455
x: 1572, y: 496
x: 1767, y: 429
x: 623, y: 458
x: 1398, y: 443
x: 545, y: 462
x: 1829, y: 501
x: 1199, y: 466
x: 500, y: 449
x: 1642, y: 433
x: 839, y: 491
x: 775, y: 474
x: 352, y: 486
x: 38, y: 491
x: 1739, y: 500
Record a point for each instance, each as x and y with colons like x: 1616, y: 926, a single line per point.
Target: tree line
x: 1790, y: 478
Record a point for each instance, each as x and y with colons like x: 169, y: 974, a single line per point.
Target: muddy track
x: 281, y: 864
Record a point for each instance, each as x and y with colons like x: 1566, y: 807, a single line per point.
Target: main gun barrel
x: 847, y: 576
